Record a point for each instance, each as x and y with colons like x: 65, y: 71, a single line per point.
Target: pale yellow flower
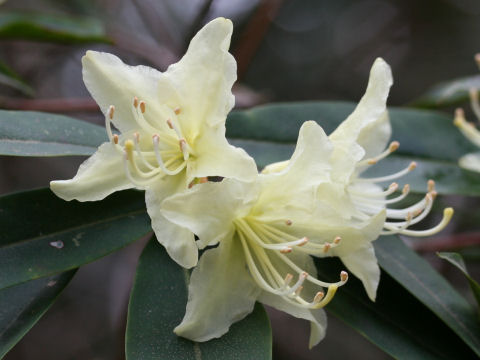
x: 357, y: 144
x: 172, y: 130
x: 266, y: 231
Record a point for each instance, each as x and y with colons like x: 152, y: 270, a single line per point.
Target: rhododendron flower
x: 357, y: 144
x: 172, y: 130
x: 266, y: 231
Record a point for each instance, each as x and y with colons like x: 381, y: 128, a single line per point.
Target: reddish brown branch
x: 448, y: 243
x: 254, y: 33
x: 50, y: 105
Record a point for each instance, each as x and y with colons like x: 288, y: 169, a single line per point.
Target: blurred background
x: 287, y: 50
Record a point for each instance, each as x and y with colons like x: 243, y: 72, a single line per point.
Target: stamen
x: 466, y: 128
x: 344, y: 276
x: 161, y: 164
x: 298, y: 291
x: 326, y: 247
x: 136, y: 140
x: 108, y: 119
x: 332, y: 289
x: 288, y: 279
x: 286, y: 250
x: 392, y: 228
x: 184, y: 148
x: 318, y: 297
x: 447, y: 216
x: 401, y: 173
x: 430, y: 185
x: 418, y: 215
x: 372, y: 161
x: 177, y: 110
x: 135, y: 102
x: 477, y: 59
x: 337, y: 240
x: 115, y: 139
x: 175, y: 128
x: 391, y: 189
x: 288, y: 222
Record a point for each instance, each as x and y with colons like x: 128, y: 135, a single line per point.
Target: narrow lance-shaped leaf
x: 9, y: 78
x: 157, y: 305
x: 456, y: 260
x: 21, y: 306
x: 396, y: 322
x: 430, y: 288
x: 448, y: 93
x: 25, y: 133
x: 43, y: 235
x: 51, y: 28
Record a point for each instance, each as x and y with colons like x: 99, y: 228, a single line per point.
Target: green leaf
x: 396, y: 322
x: 456, y: 260
x: 25, y: 133
x: 157, y: 305
x: 43, y: 235
x: 9, y: 78
x: 21, y: 306
x: 448, y: 93
x: 52, y: 28
x: 427, y: 137
x: 430, y: 288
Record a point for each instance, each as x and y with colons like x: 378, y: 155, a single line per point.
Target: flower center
x: 370, y: 203
x: 266, y: 247
x: 145, y: 162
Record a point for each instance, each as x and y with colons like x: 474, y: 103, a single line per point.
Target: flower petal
x: 218, y: 158
x: 366, y: 131
x: 99, y: 176
x: 470, y: 162
x: 111, y: 82
x: 363, y: 264
x: 211, y: 209
x: 294, y: 186
x: 204, y: 77
x: 220, y: 293
x: 177, y: 240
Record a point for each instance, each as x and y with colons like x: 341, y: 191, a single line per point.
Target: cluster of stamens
x: 261, y: 241
x: 369, y: 203
x: 167, y: 154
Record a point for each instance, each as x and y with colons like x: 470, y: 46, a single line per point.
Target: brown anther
x: 298, y: 291
x: 177, y: 110
x: 169, y: 123
x: 337, y: 240
x: 372, y: 161
x: 344, y: 276
x: 326, y: 247
x: 412, y: 165
x: 393, y: 146
x: 182, y: 143
x: 142, y: 106
x: 136, y: 135
x: 434, y: 194
x: 459, y: 113
x: 288, y: 279
x: 417, y: 212
x: 203, y: 180
x: 406, y: 189
x: 288, y: 222
x: 111, y: 111
x: 286, y: 250
x: 135, y: 102
x: 430, y: 185
x: 318, y: 297
x: 115, y: 139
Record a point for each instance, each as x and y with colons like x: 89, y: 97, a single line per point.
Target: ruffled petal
x: 470, y: 162
x: 216, y: 157
x: 363, y: 264
x: 208, y: 210
x: 366, y: 131
x: 220, y: 293
x: 204, y: 77
x: 99, y: 176
x: 111, y: 82
x: 177, y: 240
x: 294, y: 186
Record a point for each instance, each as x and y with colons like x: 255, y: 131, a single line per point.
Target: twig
x: 448, y: 243
x: 254, y: 33
x: 50, y: 105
